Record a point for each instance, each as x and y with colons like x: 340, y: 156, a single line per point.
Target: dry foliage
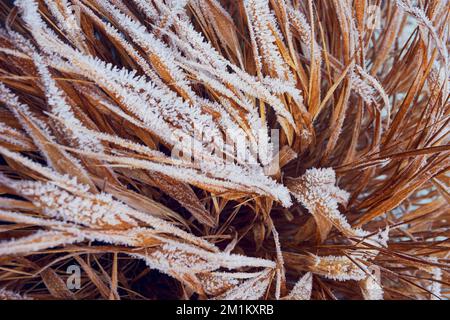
x: 92, y: 93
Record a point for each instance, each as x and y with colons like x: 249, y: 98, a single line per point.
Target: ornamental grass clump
x: 215, y: 149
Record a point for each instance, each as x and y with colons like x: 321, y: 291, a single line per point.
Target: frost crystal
x: 371, y: 288
x: 10, y: 295
x: 252, y: 289
x: 317, y: 191
x: 338, y: 268
x: 302, y: 289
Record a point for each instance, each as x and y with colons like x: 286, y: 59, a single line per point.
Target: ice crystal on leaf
x: 251, y: 289
x: 11, y: 295
x: 317, y: 191
x: 263, y: 31
x: 372, y: 289
x: 339, y: 268
x: 302, y: 289
x: 94, y: 211
x: 38, y: 241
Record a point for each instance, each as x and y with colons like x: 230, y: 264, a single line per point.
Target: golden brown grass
x: 92, y: 93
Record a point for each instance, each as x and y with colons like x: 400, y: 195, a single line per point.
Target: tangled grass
x: 351, y: 201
